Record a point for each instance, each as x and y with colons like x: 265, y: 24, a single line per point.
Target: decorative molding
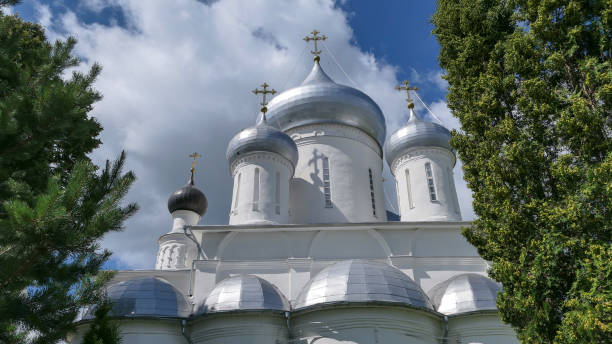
x: 252, y: 157
x: 420, y: 153
x: 306, y: 134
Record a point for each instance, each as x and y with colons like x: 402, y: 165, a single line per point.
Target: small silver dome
x: 320, y: 100
x: 262, y: 137
x: 465, y: 293
x: 244, y: 292
x: 361, y: 281
x: 416, y: 133
x: 144, y: 297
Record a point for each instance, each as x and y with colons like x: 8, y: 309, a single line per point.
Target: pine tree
x: 103, y: 330
x: 55, y: 206
x: 531, y: 83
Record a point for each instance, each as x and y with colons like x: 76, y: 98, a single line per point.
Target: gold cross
x: 264, y: 92
x: 315, y: 38
x: 406, y: 87
x: 194, y: 155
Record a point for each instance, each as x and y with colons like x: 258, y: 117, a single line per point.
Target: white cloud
x: 179, y: 80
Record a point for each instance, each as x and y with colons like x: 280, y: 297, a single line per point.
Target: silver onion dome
x: 360, y: 281
x: 262, y: 137
x: 143, y: 297
x: 244, y: 292
x: 320, y: 100
x: 465, y: 293
x: 416, y: 133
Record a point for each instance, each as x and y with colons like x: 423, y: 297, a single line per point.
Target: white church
x: 310, y: 254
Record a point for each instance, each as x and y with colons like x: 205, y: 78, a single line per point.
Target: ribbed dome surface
x: 144, y: 297
x: 188, y: 197
x: 361, y: 281
x: 244, y: 292
x: 465, y: 293
x: 416, y: 133
x: 319, y: 100
x: 262, y: 137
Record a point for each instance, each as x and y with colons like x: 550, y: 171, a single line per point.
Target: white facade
x: 290, y: 230
x: 261, y: 189
x: 425, y: 185
x: 348, y: 160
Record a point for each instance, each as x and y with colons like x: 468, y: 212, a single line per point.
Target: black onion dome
x: 188, y: 197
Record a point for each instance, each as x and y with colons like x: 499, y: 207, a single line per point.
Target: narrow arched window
x: 409, y: 190
x: 372, y: 192
x: 256, y: 190
x: 430, y: 182
x: 326, y: 183
x: 277, y: 195
x: 238, y: 177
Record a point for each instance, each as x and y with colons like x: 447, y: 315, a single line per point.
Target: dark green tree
x: 103, y: 330
x: 55, y: 206
x: 531, y: 83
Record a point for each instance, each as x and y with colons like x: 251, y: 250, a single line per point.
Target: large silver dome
x: 144, y: 297
x: 416, y: 133
x: 320, y: 100
x: 465, y: 293
x: 244, y: 292
x: 361, y: 281
x: 262, y: 137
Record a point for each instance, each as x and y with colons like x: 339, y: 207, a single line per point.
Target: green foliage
x: 54, y: 205
x: 50, y: 255
x: 531, y: 83
x: 44, y: 127
x: 103, y: 330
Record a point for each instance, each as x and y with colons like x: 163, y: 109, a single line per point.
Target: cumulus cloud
x: 177, y: 78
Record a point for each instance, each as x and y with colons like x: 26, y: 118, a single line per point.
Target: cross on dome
x: 405, y: 86
x: 193, y: 155
x: 264, y: 91
x: 315, y: 38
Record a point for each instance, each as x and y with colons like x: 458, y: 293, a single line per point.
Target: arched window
x: 430, y: 182
x: 409, y: 190
x: 256, y: 190
x: 326, y: 184
x: 277, y: 195
x: 372, y: 192
x: 238, y: 177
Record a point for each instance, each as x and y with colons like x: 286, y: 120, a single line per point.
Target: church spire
x: 315, y: 37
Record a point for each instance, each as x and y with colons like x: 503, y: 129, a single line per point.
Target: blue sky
x: 177, y: 77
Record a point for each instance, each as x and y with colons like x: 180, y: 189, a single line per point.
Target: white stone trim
x: 303, y: 135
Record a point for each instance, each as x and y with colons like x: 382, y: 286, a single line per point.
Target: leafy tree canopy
x: 531, y: 83
x: 55, y: 205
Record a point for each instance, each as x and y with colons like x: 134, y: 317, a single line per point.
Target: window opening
x: 256, y: 190
x: 430, y: 182
x: 409, y: 189
x: 237, y: 191
x: 277, y: 196
x: 326, y: 184
x: 372, y: 193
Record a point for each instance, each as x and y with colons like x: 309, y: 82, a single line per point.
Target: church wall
x: 413, y: 193
x: 336, y: 324
x: 479, y: 328
x: 289, y: 257
x: 142, y: 331
x: 246, y: 328
x: 350, y: 154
